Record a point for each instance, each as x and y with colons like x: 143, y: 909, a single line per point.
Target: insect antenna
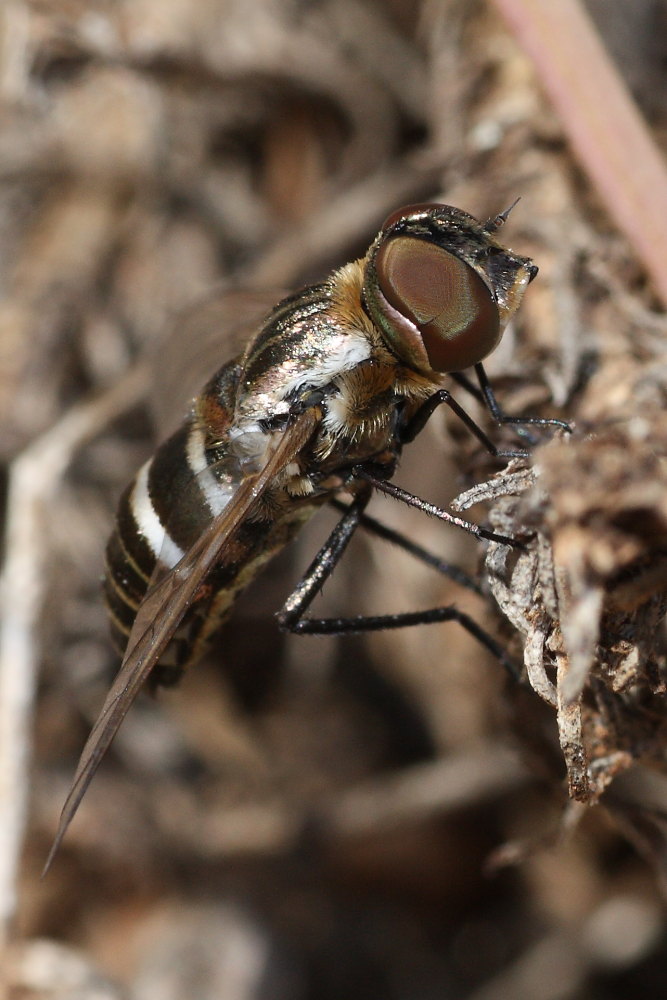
x: 493, y: 224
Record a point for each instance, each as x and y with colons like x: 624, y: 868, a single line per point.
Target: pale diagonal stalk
x: 605, y: 128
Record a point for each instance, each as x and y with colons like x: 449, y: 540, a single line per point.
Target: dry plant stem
x: 420, y: 792
x: 14, y: 32
x: 408, y: 798
x: 601, y: 120
x: 571, y: 737
x: 344, y: 219
x: 34, y: 478
x: 559, y: 964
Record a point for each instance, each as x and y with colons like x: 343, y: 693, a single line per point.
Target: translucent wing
x: 162, y: 610
x: 216, y: 328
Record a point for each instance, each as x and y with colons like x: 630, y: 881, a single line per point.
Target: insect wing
x: 164, y: 607
x: 218, y: 327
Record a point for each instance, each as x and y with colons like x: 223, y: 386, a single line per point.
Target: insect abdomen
x: 148, y: 521
x: 189, y: 480
x: 131, y: 561
x: 160, y: 515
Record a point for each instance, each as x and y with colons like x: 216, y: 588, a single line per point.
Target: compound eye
x: 457, y: 322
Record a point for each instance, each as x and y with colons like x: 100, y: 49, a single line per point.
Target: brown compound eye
x: 453, y: 320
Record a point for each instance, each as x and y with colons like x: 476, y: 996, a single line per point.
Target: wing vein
x: 164, y: 606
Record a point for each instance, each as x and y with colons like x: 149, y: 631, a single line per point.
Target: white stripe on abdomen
x: 148, y: 523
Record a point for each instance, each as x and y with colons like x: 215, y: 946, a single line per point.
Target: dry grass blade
x: 34, y: 478
x: 601, y: 120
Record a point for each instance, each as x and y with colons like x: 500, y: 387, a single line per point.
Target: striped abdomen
x: 302, y: 344
x: 164, y: 510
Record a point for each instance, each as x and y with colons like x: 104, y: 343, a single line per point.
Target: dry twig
x: 34, y: 479
x: 601, y: 120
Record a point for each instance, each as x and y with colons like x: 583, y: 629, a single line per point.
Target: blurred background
x: 303, y: 818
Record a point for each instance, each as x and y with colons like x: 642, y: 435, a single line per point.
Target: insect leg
x: 443, y: 396
x: 406, y: 619
x: 322, y: 566
x: 381, y: 530
x: 501, y: 418
x: 469, y: 386
x: 397, y: 493
x: 477, y: 393
x: 291, y: 616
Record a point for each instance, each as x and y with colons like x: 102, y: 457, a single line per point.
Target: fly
x: 336, y: 380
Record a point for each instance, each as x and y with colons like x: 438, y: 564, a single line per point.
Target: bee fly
x: 337, y: 378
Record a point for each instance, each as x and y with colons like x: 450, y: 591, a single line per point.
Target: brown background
x: 305, y: 819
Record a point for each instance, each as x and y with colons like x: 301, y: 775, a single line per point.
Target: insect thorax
x: 318, y: 340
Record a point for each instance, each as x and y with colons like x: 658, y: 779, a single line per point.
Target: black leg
x: 484, y: 394
x: 417, y: 422
x: 290, y: 617
x: 397, y: 493
x: 380, y: 623
x: 469, y: 386
x: 374, y: 527
x: 322, y: 565
x: 500, y: 417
